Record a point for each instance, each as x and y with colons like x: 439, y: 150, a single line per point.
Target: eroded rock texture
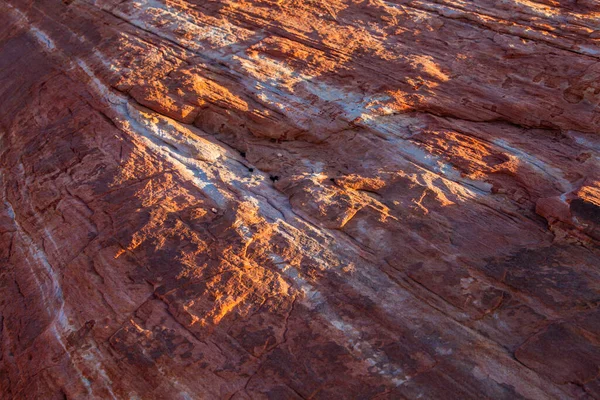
x: 281, y: 199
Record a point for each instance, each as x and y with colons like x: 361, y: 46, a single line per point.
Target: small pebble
x: 214, y: 210
x: 279, y: 155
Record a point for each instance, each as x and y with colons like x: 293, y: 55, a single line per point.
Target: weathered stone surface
x: 263, y: 199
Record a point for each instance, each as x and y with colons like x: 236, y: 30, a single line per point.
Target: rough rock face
x: 282, y: 199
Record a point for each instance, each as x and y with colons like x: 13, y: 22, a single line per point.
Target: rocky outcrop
x: 298, y: 199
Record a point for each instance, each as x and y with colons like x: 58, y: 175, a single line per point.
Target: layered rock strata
x: 275, y: 199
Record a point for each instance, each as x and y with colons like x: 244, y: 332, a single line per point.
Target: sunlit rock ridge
x: 299, y: 199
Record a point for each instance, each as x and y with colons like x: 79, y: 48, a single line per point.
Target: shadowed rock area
x: 299, y: 199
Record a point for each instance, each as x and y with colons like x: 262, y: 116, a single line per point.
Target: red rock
x: 568, y: 356
x: 275, y: 199
x: 554, y: 209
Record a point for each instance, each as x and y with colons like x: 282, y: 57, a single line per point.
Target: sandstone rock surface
x: 281, y: 199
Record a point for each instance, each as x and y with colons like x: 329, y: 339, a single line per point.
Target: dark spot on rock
x: 573, y: 95
x: 274, y: 178
x: 251, y: 169
x: 583, y: 157
x: 243, y: 154
x: 586, y: 210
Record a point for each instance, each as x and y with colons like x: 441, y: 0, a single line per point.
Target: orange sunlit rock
x: 298, y: 199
